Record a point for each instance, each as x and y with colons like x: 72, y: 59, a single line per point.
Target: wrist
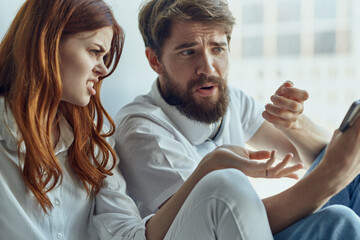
x: 332, y: 178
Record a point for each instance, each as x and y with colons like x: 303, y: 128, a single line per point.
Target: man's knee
x: 229, y: 184
x: 339, y: 214
x: 333, y: 222
x: 338, y: 220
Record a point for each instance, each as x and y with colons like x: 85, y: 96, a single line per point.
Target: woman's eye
x: 96, y: 52
x: 105, y: 58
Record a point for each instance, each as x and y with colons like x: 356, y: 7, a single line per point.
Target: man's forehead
x: 183, y: 32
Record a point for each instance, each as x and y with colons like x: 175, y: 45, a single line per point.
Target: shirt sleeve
x: 116, y: 215
x: 250, y: 113
x: 154, y: 159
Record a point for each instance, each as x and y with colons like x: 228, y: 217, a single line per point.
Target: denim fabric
x: 337, y: 219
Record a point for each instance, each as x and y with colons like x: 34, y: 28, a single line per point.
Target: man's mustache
x: 203, y: 80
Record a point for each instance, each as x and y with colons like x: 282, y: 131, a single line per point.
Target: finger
x: 271, y: 161
x: 356, y: 124
x: 281, y: 112
x: 231, y: 159
x: 288, y: 83
x: 250, y: 167
x: 289, y: 170
x: 296, y: 94
x: 277, y: 121
x: 280, y: 90
x: 288, y: 90
x: 293, y: 176
x: 287, y: 103
x: 279, y: 167
x: 259, y: 155
x: 254, y: 168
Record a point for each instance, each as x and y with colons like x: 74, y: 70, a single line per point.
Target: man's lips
x: 207, y: 89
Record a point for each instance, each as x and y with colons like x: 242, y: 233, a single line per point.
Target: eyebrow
x: 192, y: 44
x: 102, y: 49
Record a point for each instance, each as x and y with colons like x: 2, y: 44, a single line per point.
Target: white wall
x: 133, y: 75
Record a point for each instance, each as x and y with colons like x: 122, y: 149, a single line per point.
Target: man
x: 190, y: 111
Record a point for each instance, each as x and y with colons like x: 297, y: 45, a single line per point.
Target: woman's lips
x: 90, y: 86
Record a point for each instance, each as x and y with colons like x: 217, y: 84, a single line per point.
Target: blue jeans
x: 337, y: 219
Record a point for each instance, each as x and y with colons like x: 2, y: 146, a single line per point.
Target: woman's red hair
x: 31, y: 84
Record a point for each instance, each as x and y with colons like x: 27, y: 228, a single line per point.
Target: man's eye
x: 218, y: 50
x: 187, y: 52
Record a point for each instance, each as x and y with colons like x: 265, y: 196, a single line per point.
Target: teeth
x: 90, y: 84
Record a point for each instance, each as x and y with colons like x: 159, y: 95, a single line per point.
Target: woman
x: 57, y: 167
x: 54, y: 158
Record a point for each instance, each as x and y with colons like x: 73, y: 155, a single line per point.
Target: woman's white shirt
x: 110, y: 215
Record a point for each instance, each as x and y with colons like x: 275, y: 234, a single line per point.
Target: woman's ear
x: 153, y: 60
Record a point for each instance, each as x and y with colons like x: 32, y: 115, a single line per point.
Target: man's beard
x: 210, y: 111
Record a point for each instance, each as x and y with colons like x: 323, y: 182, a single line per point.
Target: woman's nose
x: 100, y: 69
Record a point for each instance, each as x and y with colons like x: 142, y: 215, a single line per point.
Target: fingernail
x: 290, y: 82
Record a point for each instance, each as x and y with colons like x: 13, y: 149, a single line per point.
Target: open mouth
x: 207, y: 88
x: 90, y: 87
x: 90, y: 84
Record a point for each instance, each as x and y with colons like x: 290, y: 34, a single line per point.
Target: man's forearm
x: 304, y: 198
x: 308, y: 138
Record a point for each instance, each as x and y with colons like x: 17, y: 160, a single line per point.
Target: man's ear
x: 153, y: 60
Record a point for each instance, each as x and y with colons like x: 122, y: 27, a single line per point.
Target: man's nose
x: 205, y: 65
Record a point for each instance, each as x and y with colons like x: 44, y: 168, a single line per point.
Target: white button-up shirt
x: 159, y: 147
x: 110, y: 215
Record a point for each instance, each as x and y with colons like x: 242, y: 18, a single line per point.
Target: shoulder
x: 142, y: 109
x: 241, y: 101
x: 141, y: 104
x: 236, y: 94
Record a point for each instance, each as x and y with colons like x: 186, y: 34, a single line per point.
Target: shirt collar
x: 8, y: 128
x: 10, y: 133
x: 66, y: 136
x: 195, y: 132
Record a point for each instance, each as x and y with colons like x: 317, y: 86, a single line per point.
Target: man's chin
x: 206, y: 100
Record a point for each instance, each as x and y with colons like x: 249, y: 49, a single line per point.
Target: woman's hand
x: 258, y: 164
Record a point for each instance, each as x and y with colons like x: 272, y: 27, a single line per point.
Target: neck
x: 217, y: 126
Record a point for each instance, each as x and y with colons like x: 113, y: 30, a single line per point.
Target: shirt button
x: 59, y: 235
x: 57, y: 202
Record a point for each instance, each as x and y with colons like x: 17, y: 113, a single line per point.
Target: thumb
x: 259, y: 154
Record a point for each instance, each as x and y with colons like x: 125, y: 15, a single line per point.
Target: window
x: 252, y: 47
x: 325, y: 43
x: 288, y: 45
x: 288, y: 10
x: 253, y: 14
x: 325, y: 9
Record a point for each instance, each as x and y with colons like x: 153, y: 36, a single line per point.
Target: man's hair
x: 157, y: 16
